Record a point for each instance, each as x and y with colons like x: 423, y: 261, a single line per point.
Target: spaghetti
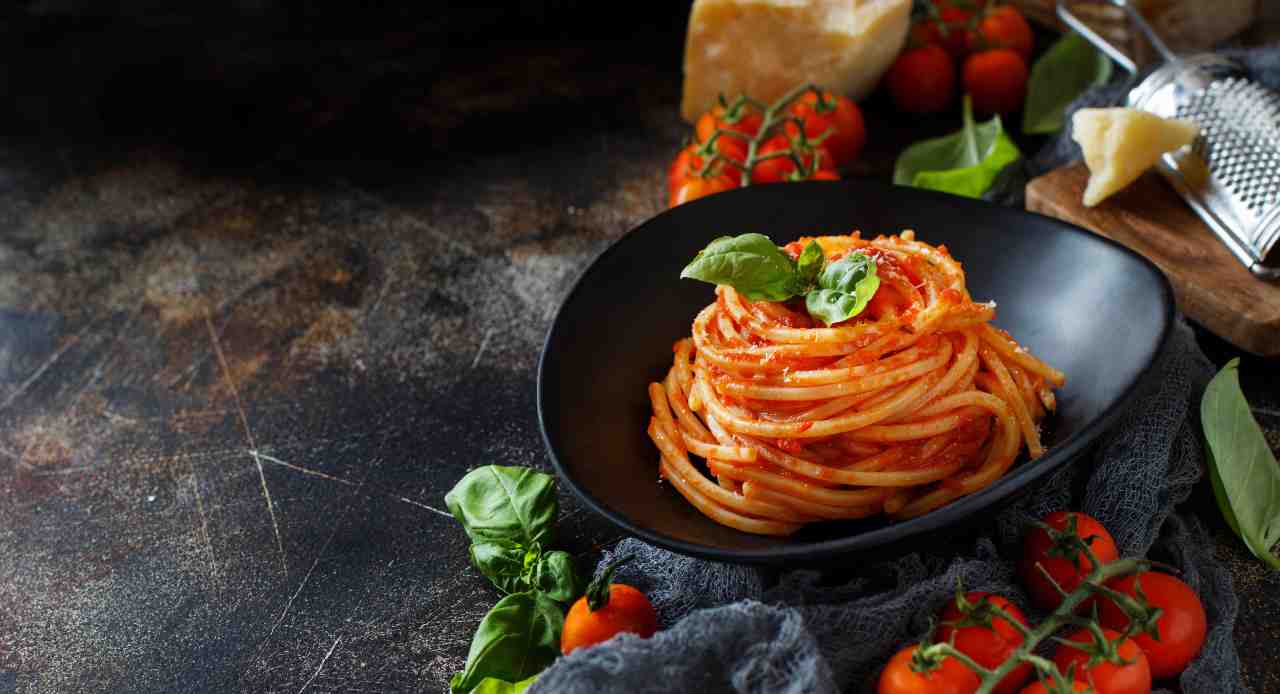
x: 911, y: 404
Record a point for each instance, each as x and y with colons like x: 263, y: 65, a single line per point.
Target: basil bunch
x: 1242, y: 468
x: 760, y: 271
x: 509, y: 513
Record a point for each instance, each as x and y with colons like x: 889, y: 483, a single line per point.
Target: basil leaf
x: 491, y: 685
x: 749, y: 263
x: 844, y: 288
x: 965, y: 162
x: 1064, y: 72
x: 1246, y: 477
x: 503, y: 563
x: 515, y: 504
x: 554, y: 574
x: 808, y: 265
x: 517, y: 639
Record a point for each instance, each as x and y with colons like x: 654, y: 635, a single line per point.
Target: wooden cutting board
x: 1212, y: 288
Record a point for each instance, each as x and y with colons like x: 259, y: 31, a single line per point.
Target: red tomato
x: 778, y: 169
x: 1003, y: 27
x: 680, y: 167
x: 924, y: 33
x: 922, y: 80
x: 1039, y: 688
x: 688, y: 164
x: 1182, y: 624
x: 951, y: 677
x: 837, y: 114
x: 1035, y: 549
x: 997, y: 80
x: 625, y: 610
x: 748, y: 123
x: 956, y: 20
x: 1105, y: 677
x: 824, y: 175
x: 697, y: 187
x: 988, y: 645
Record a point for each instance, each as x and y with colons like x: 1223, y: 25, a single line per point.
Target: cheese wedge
x: 1121, y: 143
x: 764, y: 48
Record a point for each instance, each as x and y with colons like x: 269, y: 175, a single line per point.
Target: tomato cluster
x: 809, y: 135
x: 981, y: 626
x: 990, y: 43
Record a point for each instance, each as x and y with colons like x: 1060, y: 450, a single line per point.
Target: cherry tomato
x: 1035, y: 549
x: 1105, y: 677
x: 956, y: 20
x: 922, y: 80
x: 1039, y: 688
x: 1003, y: 27
x: 996, y: 79
x: 988, y: 645
x: 924, y: 33
x: 688, y: 164
x: 824, y: 175
x: 1181, y: 625
x: 748, y: 123
x: 835, y: 113
x: 951, y: 677
x: 695, y: 187
x: 778, y: 169
x: 606, y: 610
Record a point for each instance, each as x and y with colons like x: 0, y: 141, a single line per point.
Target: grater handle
x: 1070, y: 19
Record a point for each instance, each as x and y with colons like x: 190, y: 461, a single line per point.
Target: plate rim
x: 1066, y: 453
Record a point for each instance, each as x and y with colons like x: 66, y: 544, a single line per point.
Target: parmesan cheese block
x: 764, y: 48
x: 1121, y: 143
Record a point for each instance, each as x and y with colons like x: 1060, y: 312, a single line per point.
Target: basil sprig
x: 509, y: 513
x: 760, y: 271
x: 1242, y: 468
x: 844, y: 288
x: 966, y: 162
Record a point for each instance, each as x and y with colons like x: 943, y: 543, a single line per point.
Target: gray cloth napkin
x: 737, y: 629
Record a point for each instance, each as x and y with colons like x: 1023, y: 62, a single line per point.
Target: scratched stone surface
x: 232, y: 398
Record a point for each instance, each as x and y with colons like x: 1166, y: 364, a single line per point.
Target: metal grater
x: 1231, y: 175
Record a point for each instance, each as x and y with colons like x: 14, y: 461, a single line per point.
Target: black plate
x: 1084, y: 304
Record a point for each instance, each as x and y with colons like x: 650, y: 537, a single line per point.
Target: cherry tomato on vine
x: 1106, y: 677
x: 956, y: 20
x: 988, y: 645
x: 824, y: 175
x: 951, y: 677
x: 747, y: 122
x: 1181, y: 625
x: 922, y: 80
x: 776, y: 169
x: 695, y: 187
x: 1039, y: 688
x: 835, y: 113
x: 924, y: 33
x: 997, y: 80
x: 606, y: 610
x: 1036, y: 547
x: 1003, y: 27
x: 688, y: 164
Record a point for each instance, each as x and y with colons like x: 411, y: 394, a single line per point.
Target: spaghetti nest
x: 915, y: 402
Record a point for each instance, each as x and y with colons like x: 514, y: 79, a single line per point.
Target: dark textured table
x: 236, y: 385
